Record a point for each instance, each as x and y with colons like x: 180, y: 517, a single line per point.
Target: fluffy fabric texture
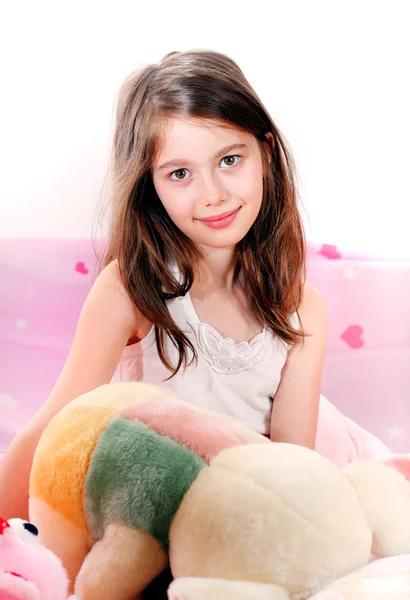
x: 383, y: 579
x: 298, y: 524
x: 192, y: 588
x: 136, y: 454
x: 384, y: 494
x: 121, y: 565
x: 28, y: 571
x: 138, y: 477
x: 204, y: 432
x: 64, y: 452
x: 17, y: 588
x: 62, y: 459
x: 68, y: 448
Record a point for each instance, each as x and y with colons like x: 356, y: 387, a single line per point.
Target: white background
x: 334, y: 75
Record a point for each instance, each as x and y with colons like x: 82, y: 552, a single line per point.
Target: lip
x: 220, y: 221
x: 216, y: 218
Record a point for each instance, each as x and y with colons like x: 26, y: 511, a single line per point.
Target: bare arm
x: 296, y: 404
x: 107, y: 321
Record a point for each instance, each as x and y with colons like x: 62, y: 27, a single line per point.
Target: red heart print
x: 353, y: 336
x: 330, y: 251
x: 81, y: 268
x: 3, y: 525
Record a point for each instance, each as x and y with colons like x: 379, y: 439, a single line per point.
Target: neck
x: 216, y: 267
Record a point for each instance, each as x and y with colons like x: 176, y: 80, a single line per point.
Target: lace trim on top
x: 223, y: 354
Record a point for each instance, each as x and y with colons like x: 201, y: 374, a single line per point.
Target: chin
x: 227, y: 243
x: 221, y: 238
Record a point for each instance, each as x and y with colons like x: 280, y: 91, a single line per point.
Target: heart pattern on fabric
x: 353, y: 336
x: 330, y: 251
x: 81, y: 268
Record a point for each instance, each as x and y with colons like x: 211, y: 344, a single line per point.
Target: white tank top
x: 236, y: 379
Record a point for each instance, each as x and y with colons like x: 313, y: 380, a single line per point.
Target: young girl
x: 203, y: 288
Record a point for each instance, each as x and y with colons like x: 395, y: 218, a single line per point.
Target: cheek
x: 177, y: 203
x: 251, y: 186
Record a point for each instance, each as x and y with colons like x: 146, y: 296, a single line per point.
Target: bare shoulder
x: 311, y: 297
x: 111, y: 297
x: 312, y: 310
x: 110, y: 278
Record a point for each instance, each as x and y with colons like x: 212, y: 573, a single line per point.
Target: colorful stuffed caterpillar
x: 129, y: 476
x: 117, y: 463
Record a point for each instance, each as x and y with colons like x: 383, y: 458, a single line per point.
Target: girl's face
x: 208, y: 176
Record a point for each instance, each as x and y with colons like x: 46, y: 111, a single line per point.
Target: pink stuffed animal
x: 28, y: 571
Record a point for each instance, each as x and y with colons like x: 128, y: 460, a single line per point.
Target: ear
x: 269, y: 145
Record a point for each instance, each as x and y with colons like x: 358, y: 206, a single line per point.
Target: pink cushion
x: 366, y: 374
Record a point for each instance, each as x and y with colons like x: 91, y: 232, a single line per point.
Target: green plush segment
x: 139, y: 477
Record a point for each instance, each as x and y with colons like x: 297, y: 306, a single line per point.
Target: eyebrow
x: 177, y: 162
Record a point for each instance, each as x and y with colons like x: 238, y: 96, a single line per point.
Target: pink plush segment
x: 203, y: 432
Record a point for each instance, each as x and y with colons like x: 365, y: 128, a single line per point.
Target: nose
x: 212, y: 192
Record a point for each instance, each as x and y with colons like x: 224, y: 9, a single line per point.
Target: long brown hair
x: 270, y: 259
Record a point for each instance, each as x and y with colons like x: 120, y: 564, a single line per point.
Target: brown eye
x: 230, y: 160
x: 179, y: 175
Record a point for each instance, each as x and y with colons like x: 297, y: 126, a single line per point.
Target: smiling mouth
x: 220, y: 221
x: 219, y: 217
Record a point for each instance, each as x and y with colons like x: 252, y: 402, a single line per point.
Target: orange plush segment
x: 63, y: 456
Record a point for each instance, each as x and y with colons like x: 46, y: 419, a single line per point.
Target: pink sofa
x: 367, y: 368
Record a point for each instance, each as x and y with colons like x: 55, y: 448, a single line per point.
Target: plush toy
x: 129, y: 476
x: 383, y: 579
x: 28, y: 570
